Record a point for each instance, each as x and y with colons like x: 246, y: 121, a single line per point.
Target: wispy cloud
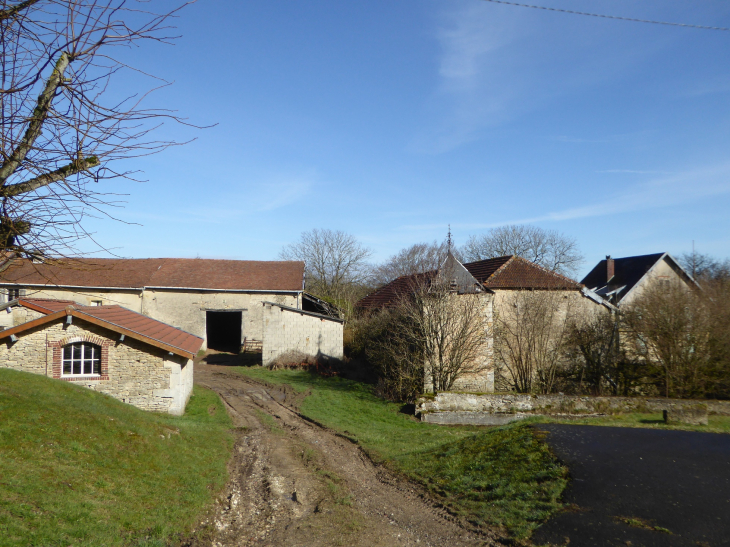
x: 497, y: 63
x: 680, y: 188
x: 277, y: 194
x: 634, y: 172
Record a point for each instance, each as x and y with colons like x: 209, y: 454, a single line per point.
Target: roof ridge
x: 549, y: 271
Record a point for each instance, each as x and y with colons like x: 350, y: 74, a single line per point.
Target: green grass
x: 717, y: 424
x: 79, y: 468
x: 501, y: 477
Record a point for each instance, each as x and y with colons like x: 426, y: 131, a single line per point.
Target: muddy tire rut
x: 295, y: 483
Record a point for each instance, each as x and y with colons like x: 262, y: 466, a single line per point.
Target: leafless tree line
x: 338, y: 267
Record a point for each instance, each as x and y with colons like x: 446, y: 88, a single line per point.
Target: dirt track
x: 297, y: 484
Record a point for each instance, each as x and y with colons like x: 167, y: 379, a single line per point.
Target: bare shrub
x: 669, y: 326
x: 531, y: 328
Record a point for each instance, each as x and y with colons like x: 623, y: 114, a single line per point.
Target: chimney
x: 609, y: 268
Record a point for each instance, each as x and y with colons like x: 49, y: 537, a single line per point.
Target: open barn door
x: 223, y: 330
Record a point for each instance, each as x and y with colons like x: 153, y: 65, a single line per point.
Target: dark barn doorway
x: 223, y: 330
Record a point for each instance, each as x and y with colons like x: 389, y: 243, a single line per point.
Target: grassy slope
x: 80, y: 468
x: 498, y: 476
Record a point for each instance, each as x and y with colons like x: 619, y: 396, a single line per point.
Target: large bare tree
x: 416, y: 259
x: 336, y: 264
x: 63, y: 125
x: 548, y: 248
x: 530, y: 333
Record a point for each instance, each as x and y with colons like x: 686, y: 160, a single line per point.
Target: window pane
x: 76, y: 348
x: 97, y: 366
x: 77, y: 367
x: 67, y: 366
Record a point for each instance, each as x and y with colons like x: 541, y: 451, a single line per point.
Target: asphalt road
x: 641, y: 487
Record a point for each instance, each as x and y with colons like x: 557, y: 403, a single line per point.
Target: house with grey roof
x: 620, y: 281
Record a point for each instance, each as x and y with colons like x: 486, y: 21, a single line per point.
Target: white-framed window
x: 81, y: 359
x: 13, y: 293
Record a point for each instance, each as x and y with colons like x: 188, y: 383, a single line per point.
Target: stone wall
x: 184, y: 309
x: 289, y: 330
x: 470, y: 408
x: 132, y: 371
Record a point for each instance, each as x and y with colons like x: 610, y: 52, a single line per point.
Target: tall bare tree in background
x: 63, y: 126
x: 416, y: 259
x: 548, y: 248
x: 337, y: 266
x: 704, y: 267
x: 531, y: 328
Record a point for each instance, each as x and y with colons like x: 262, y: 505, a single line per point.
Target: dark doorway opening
x: 223, y: 330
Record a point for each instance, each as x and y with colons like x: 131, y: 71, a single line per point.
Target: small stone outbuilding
x: 110, y: 349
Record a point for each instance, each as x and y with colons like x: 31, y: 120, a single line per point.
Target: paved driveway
x: 635, y: 487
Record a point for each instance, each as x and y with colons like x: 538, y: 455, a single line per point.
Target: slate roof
x: 137, y: 273
x: 504, y: 272
x: 628, y: 271
x: 115, y: 318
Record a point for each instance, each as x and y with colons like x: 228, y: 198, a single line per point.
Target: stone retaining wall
x: 453, y: 408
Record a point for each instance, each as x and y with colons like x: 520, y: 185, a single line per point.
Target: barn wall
x: 186, y: 309
x: 287, y: 331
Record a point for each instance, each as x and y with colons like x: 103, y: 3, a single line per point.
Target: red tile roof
x: 189, y: 273
x: 504, y: 272
x: 388, y: 295
x: 514, y: 272
x: 117, y: 319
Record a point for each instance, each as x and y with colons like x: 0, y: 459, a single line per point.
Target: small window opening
x: 96, y: 303
x: 81, y: 359
x: 13, y: 293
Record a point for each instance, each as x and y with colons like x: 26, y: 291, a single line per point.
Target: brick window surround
x: 58, y: 345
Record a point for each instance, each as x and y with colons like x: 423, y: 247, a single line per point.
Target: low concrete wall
x: 288, y: 330
x: 495, y: 408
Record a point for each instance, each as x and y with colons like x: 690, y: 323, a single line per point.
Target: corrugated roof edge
x: 313, y: 314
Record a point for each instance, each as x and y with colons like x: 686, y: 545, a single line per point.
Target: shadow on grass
x: 645, y: 421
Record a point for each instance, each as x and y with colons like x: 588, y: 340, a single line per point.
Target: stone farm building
x: 108, y: 348
x: 621, y: 280
x: 230, y: 304
x: 497, y: 282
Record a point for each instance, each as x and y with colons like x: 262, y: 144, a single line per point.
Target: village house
x: 498, y: 283
x: 107, y: 348
x: 621, y: 280
x: 227, y: 303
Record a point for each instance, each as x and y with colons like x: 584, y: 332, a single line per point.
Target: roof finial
x: 448, y: 239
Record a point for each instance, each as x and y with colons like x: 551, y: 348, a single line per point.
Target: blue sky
x: 390, y: 120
